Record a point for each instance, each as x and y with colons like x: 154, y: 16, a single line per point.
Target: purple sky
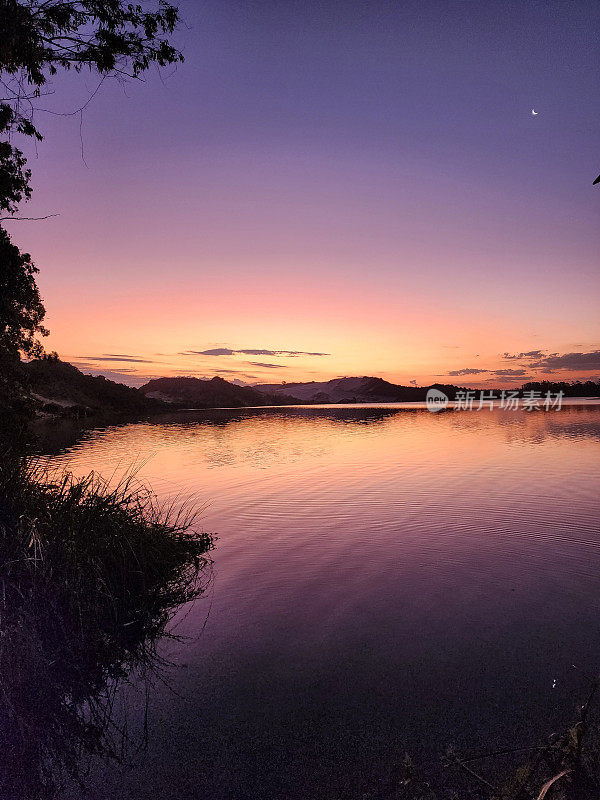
x: 360, y: 179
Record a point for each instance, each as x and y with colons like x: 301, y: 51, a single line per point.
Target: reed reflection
x: 90, y: 577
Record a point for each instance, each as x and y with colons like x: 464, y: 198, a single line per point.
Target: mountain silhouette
x: 347, y: 390
x: 60, y: 389
x: 213, y: 393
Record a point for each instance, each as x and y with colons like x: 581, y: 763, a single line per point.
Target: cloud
x: 118, y: 355
x: 90, y: 365
x: 269, y: 366
x: 498, y: 373
x: 549, y: 363
x: 509, y: 372
x: 528, y: 354
x: 130, y: 377
x: 569, y: 361
x: 218, y: 351
x: 227, y: 351
x: 285, y: 353
x: 413, y: 383
x: 115, y: 357
x: 231, y: 372
x: 467, y: 371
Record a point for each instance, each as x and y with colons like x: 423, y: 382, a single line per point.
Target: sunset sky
x: 331, y: 188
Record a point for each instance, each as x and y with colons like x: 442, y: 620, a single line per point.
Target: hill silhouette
x: 59, y: 388
x: 354, y: 390
x: 213, y: 393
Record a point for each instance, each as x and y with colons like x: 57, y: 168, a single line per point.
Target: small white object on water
x: 554, y: 683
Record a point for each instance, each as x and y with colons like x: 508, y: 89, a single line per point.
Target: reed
x: 90, y: 576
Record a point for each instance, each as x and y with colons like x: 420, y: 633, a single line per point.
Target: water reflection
x: 385, y: 580
x: 58, y: 436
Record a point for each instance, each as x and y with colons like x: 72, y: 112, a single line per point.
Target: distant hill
x: 352, y: 390
x: 60, y: 388
x: 214, y: 393
x: 197, y: 393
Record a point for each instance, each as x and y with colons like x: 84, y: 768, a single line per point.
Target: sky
x: 331, y: 188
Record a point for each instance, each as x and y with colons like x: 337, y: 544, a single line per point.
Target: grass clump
x: 90, y: 576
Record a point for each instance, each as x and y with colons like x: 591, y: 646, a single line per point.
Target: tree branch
x: 21, y: 219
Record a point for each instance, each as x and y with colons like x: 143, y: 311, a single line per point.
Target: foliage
x: 21, y: 309
x: 104, y: 35
x: 109, y: 37
x: 38, y: 38
x: 90, y: 576
x: 21, y: 316
x: 587, y: 388
x: 14, y: 177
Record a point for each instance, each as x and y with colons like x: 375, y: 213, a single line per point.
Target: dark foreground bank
x: 89, y: 578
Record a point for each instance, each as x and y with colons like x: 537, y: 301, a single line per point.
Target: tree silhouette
x: 14, y: 177
x: 40, y: 37
x: 21, y: 315
x: 21, y: 309
x: 37, y: 39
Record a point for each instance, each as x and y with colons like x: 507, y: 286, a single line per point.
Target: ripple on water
x: 412, y: 576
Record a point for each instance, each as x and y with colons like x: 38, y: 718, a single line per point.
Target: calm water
x: 385, y: 580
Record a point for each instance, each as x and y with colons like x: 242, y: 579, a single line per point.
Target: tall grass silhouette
x: 90, y: 575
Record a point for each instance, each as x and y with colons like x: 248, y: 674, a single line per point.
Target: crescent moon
x: 535, y: 113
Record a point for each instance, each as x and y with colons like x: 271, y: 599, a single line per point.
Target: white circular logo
x: 436, y: 400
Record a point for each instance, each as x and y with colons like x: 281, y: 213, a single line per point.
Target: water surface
x: 385, y: 580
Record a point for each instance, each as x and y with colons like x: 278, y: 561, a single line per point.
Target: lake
x: 385, y: 580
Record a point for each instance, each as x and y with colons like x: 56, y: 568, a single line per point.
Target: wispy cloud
x: 508, y: 372
x: 467, y: 371
x: 218, y: 351
x: 229, y: 371
x: 227, y: 351
x: 128, y: 376
x: 528, y: 354
x: 91, y: 365
x: 268, y: 366
x: 115, y: 357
